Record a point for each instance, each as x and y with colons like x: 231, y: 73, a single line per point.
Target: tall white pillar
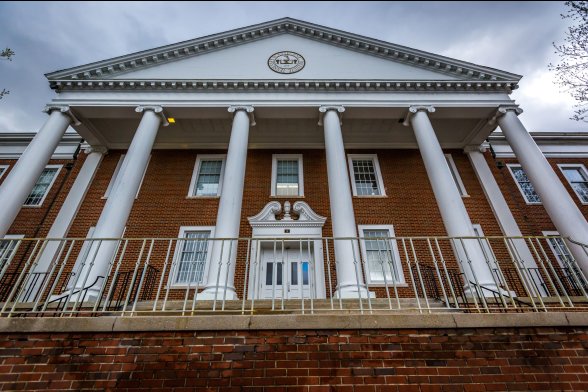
x: 113, y: 219
x: 221, y: 272
x: 24, y: 175
x: 563, y: 211
x: 62, y: 223
x: 350, y: 283
x: 453, y: 212
x: 503, y: 215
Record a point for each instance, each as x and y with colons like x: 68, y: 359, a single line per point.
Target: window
x: 380, y: 254
x: 192, y: 256
x: 115, y: 175
x: 41, y: 188
x: 3, y: 169
x: 455, y: 175
x: 578, y: 179
x: 208, y: 175
x: 287, y: 175
x: 8, y: 247
x: 559, y: 248
x: 366, y: 176
x: 524, y: 184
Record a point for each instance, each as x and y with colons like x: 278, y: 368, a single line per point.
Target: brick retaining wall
x: 471, y: 359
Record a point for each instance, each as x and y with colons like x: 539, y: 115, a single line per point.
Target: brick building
x: 310, y: 209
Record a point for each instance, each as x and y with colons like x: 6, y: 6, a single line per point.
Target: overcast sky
x: 512, y: 36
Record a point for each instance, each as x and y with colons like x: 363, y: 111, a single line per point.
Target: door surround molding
x: 271, y: 224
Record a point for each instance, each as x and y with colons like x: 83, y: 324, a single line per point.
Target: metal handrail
x: 401, y: 274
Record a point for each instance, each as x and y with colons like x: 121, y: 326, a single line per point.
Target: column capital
x: 88, y: 149
x: 249, y: 109
x: 502, y: 110
x: 324, y: 109
x: 155, y: 109
x: 413, y: 109
x: 475, y: 148
x: 65, y: 109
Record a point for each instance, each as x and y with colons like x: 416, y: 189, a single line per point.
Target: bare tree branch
x: 572, y: 70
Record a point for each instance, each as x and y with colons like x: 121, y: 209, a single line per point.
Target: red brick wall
x: 531, y: 218
x: 496, y: 359
x: 162, y: 206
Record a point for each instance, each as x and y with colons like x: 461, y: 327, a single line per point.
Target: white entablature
x: 239, y: 60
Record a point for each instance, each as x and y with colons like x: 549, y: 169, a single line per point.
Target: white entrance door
x: 286, y: 274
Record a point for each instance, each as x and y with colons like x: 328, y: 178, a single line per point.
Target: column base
x: 491, y: 292
x: 352, y: 292
x: 218, y: 294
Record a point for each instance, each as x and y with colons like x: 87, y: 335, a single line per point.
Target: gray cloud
x: 513, y: 36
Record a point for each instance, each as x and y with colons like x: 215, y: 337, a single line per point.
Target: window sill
x: 286, y: 197
x: 371, y: 196
x: 203, y: 197
x: 29, y: 206
x: 390, y: 285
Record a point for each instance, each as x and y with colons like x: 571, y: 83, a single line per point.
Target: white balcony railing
x: 159, y: 276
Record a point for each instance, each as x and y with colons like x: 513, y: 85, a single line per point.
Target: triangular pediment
x: 243, y: 54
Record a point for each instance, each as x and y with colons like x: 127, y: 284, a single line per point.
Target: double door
x: 286, y: 273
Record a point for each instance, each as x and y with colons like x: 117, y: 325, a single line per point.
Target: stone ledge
x: 280, y: 322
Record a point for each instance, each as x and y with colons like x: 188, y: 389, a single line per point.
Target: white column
x: 113, y: 219
x: 502, y: 213
x: 350, y: 283
x: 24, y: 175
x: 453, y: 212
x: 563, y: 211
x: 67, y: 213
x: 221, y: 272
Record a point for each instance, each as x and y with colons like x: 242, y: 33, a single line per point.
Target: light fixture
x: 171, y: 120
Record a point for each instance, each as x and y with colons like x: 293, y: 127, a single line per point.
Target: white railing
x: 158, y: 276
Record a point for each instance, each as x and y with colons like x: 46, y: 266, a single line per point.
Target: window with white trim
x: 115, y: 175
x: 525, y: 186
x: 287, y: 175
x: 8, y: 247
x: 366, y: 177
x: 192, y: 255
x: 3, y: 169
x: 455, y: 175
x: 43, y: 185
x: 380, y: 253
x: 577, y: 178
x: 559, y: 248
x: 207, y: 177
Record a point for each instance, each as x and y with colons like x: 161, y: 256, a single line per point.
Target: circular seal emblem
x: 286, y: 62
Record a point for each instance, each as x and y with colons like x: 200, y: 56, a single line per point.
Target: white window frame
x: 178, y: 252
x: 5, y: 167
x: 12, y: 237
x: 374, y: 158
x: 552, y: 248
x: 456, y: 176
x: 395, y: 252
x: 115, y: 175
x: 199, y: 159
x: 580, y: 166
x: 517, y: 165
x: 275, y: 159
x: 58, y: 167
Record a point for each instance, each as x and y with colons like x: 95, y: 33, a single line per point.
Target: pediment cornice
x: 284, y: 85
x: 102, y: 71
